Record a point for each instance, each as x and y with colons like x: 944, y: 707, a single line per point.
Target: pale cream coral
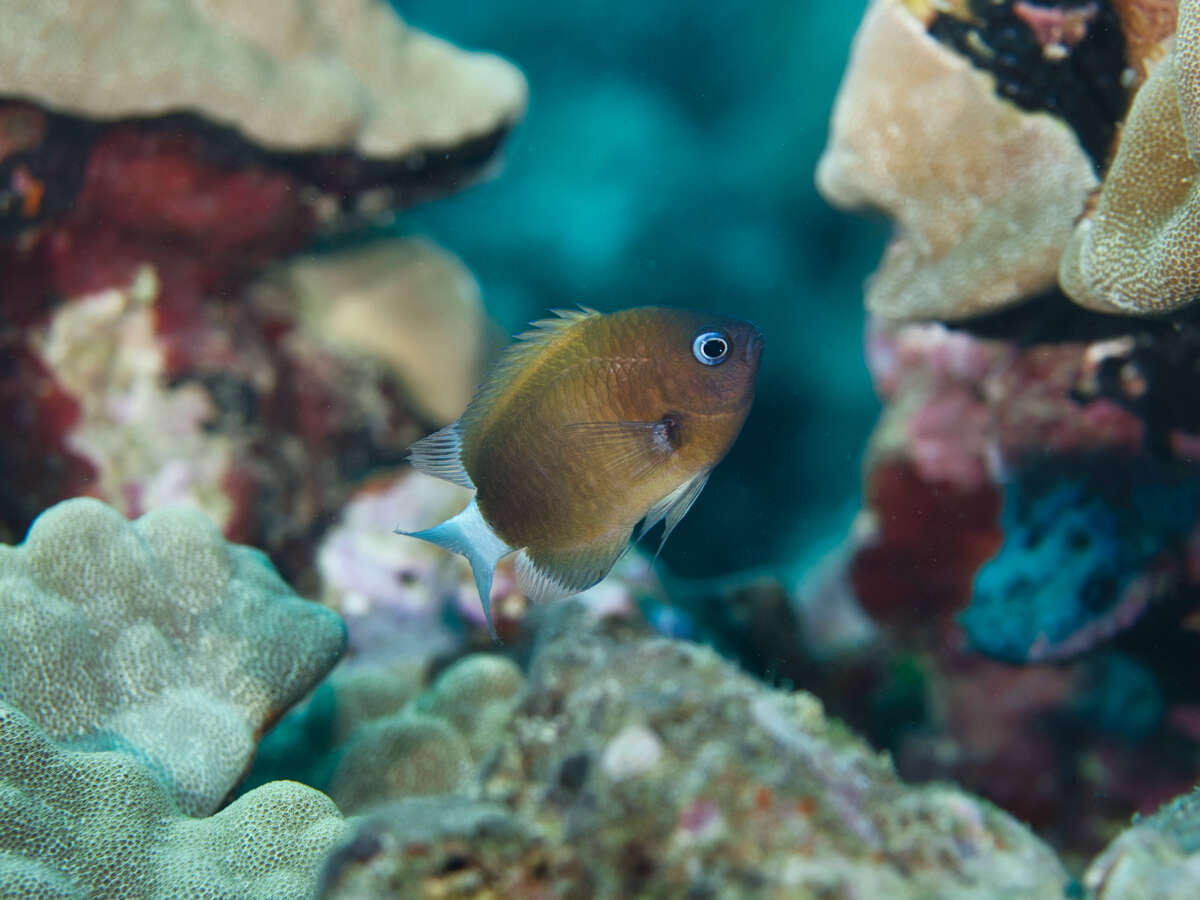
x: 147, y: 440
x: 288, y: 74
x: 1138, y: 252
x: 406, y: 303
x: 983, y: 194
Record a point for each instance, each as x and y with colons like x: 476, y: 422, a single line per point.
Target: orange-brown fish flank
x: 587, y: 425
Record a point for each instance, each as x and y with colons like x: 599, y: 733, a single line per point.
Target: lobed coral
x: 155, y: 632
x: 93, y: 825
x: 1135, y: 252
x: 983, y: 194
x: 1156, y: 857
x: 293, y: 75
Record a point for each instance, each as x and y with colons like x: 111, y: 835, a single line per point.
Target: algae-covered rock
x: 100, y: 825
x: 1156, y: 859
x: 642, y: 767
x: 156, y: 638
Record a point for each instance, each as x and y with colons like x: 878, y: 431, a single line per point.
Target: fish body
x: 587, y: 425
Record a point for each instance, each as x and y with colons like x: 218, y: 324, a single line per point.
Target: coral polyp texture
x: 983, y: 194
x: 158, y: 639
x: 1136, y: 253
x: 81, y: 825
x: 636, y: 766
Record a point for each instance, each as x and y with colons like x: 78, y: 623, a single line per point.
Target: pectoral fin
x: 626, y: 451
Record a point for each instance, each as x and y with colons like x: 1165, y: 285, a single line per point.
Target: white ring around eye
x: 710, y: 348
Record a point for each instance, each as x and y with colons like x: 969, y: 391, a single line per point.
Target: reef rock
x: 635, y: 766
x: 160, y: 640
x: 94, y: 825
x: 1156, y: 859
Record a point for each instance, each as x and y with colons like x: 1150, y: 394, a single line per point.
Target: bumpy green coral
x: 157, y: 638
x: 99, y: 825
x: 370, y: 735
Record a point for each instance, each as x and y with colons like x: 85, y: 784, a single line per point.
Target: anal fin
x: 551, y: 575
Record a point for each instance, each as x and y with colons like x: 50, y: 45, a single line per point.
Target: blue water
x: 667, y: 158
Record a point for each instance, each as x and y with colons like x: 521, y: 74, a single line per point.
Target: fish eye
x: 710, y: 348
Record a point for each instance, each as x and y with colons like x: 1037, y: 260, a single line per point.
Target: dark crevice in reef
x: 1083, y: 87
x: 58, y: 159
x: 1051, y: 318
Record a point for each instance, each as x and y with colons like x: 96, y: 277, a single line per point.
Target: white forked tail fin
x: 468, y: 535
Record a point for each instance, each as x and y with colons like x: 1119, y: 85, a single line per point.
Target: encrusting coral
x: 1136, y: 253
x: 288, y: 74
x: 161, y: 640
x: 406, y: 303
x: 88, y: 826
x: 983, y: 194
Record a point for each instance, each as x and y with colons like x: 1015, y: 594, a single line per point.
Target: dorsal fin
x: 518, y: 362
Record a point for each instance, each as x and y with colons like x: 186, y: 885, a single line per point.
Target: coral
x: 292, y: 76
x: 370, y: 735
x: 141, y: 201
x: 983, y: 194
x: 1155, y: 858
x: 1087, y: 546
x: 94, y: 825
x: 149, y: 443
x: 636, y: 766
x: 406, y: 303
x: 1134, y: 253
x: 156, y: 632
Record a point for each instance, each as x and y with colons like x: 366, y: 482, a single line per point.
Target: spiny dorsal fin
x: 519, y: 361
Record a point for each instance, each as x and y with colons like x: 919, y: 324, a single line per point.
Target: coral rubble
x: 635, y: 766
x: 139, y: 637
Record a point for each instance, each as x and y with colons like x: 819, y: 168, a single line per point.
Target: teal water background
x: 667, y: 158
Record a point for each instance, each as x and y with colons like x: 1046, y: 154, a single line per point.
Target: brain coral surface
x: 157, y: 638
